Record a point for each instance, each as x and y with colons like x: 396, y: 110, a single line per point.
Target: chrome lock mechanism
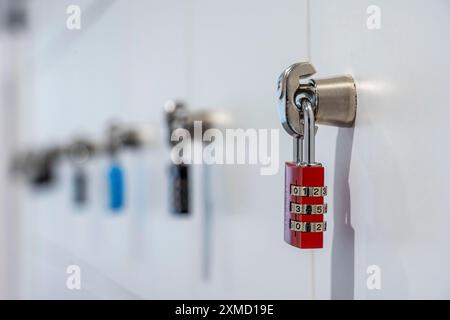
x: 333, y: 99
x: 302, y: 104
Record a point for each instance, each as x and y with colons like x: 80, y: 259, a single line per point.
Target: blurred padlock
x: 179, y: 188
x: 79, y: 152
x: 80, y: 185
x: 179, y: 176
x: 116, y: 183
x: 116, y: 186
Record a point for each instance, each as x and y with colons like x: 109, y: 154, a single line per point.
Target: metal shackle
x: 309, y: 141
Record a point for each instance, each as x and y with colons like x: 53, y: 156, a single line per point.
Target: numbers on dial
x: 298, y: 208
x: 300, y: 226
x: 300, y: 191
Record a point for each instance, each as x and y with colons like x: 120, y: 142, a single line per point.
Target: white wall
x: 130, y: 57
x: 397, y: 168
x: 124, y: 63
x: 12, y: 97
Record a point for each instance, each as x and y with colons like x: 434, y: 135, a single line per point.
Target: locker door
x: 390, y: 179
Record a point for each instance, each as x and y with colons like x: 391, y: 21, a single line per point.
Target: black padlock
x: 177, y: 117
x: 179, y: 188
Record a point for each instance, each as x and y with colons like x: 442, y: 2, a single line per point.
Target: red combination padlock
x: 304, y: 206
x: 305, y: 189
x: 301, y: 103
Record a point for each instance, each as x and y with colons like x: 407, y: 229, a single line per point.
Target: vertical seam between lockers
x: 308, y: 30
x: 308, y: 58
x: 189, y: 42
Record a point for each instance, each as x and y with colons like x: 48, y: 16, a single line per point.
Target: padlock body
x: 80, y: 187
x: 311, y: 177
x: 179, y: 189
x: 116, y: 187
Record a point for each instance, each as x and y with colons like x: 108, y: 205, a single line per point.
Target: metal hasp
x: 333, y: 99
x: 288, y: 86
x: 335, y: 102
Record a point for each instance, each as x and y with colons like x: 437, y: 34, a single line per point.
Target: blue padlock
x: 116, y: 187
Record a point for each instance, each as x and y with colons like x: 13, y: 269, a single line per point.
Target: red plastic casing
x: 313, y: 176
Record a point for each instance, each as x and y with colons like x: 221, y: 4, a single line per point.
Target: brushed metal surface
x: 336, y: 101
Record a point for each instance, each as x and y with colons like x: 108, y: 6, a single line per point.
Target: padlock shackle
x: 298, y: 150
x: 309, y: 145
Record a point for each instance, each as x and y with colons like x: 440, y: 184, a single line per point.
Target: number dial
x: 299, y: 191
x: 299, y: 226
x: 298, y: 208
